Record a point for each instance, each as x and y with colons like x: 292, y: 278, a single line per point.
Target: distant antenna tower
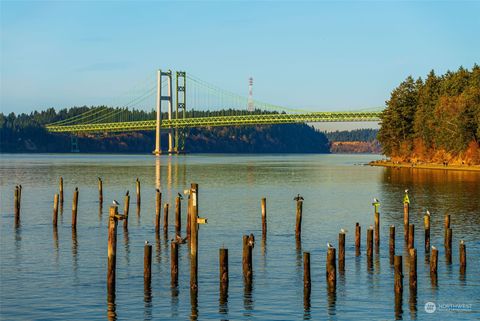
x: 250, y: 94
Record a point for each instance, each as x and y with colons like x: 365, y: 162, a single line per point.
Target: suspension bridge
x: 209, y: 106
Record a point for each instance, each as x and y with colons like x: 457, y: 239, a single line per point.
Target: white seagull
x: 461, y: 242
x: 146, y: 242
x: 329, y: 245
x: 406, y: 191
x: 343, y: 231
x: 433, y: 247
x: 115, y: 203
x: 428, y: 213
x: 375, y: 200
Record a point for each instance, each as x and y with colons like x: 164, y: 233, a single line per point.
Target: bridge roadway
x: 218, y: 121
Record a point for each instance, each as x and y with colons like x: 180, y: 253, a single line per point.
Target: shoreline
x: 383, y: 163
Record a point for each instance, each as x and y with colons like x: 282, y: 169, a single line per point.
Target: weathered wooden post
x: 194, y: 236
x: 165, y: 217
x: 411, y: 236
x: 147, y: 264
x: 406, y: 215
x: 426, y: 223
x: 448, y: 246
x: 307, y: 283
x: 100, y: 191
x: 55, y: 210
x: 112, y: 251
x: 376, y: 204
x: 248, y: 243
x: 264, y: 218
x: 16, y: 205
x: 126, y: 209
x: 174, y: 263
x: 358, y: 230
x: 139, y: 198
x: 158, y: 205
x: 392, y: 244
x: 370, y: 246
x: 341, y: 251
x: 447, y: 226
x: 434, y: 265
x: 189, y: 216
x: 298, y: 225
x: 413, y: 269
x: 331, y: 269
x: 60, y: 188
x: 74, y: 208
x: 463, y: 257
x: 224, y: 279
x: 398, y: 275
x: 178, y: 217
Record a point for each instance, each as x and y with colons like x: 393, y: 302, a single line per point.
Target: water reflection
x: 147, y: 299
x: 111, y: 308
x: 413, y: 303
x: 55, y: 243
x: 332, y: 302
x: 398, y: 306
x: 126, y: 242
x: 75, y: 253
x: 194, y: 304
x: 248, y: 298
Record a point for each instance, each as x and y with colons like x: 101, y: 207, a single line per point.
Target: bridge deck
x: 219, y: 121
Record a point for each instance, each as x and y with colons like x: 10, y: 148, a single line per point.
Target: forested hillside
x: 436, y: 119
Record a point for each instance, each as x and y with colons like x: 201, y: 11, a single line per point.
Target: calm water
x: 63, y: 276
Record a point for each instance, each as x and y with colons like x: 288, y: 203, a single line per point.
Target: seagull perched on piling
x: 180, y: 196
x: 298, y: 198
x: 343, y: 231
x: 115, y: 203
x: 406, y: 191
x: 433, y: 247
x: 375, y: 200
x: 461, y: 242
x: 428, y: 212
x: 329, y: 245
x: 146, y: 242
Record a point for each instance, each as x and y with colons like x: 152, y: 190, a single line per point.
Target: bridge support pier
x: 160, y: 98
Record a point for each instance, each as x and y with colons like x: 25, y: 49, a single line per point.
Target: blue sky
x: 310, y: 55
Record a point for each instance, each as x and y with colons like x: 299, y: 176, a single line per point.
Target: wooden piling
x: 331, y: 269
x: 174, y: 263
x: 264, y: 217
x: 147, y: 264
x: 158, y: 204
x: 100, y: 191
x: 126, y: 209
x: 178, y: 216
x: 224, y: 278
x: 398, y: 275
x: 74, y: 208
x: 358, y: 232
x: 434, y: 264
x: 411, y: 236
x: 369, y: 244
x: 165, y: 217
x: 60, y: 189
x: 341, y: 252
x: 55, y: 210
x: 139, y: 198
x: 247, y: 259
x: 16, y: 205
x: 112, y: 251
x: 298, y: 225
x: 448, y: 246
x: 392, y: 244
x: 377, y: 229
x: 307, y: 283
x: 189, y: 218
x: 194, y: 237
x: 463, y: 257
x: 426, y: 223
x: 406, y: 219
x: 413, y: 269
